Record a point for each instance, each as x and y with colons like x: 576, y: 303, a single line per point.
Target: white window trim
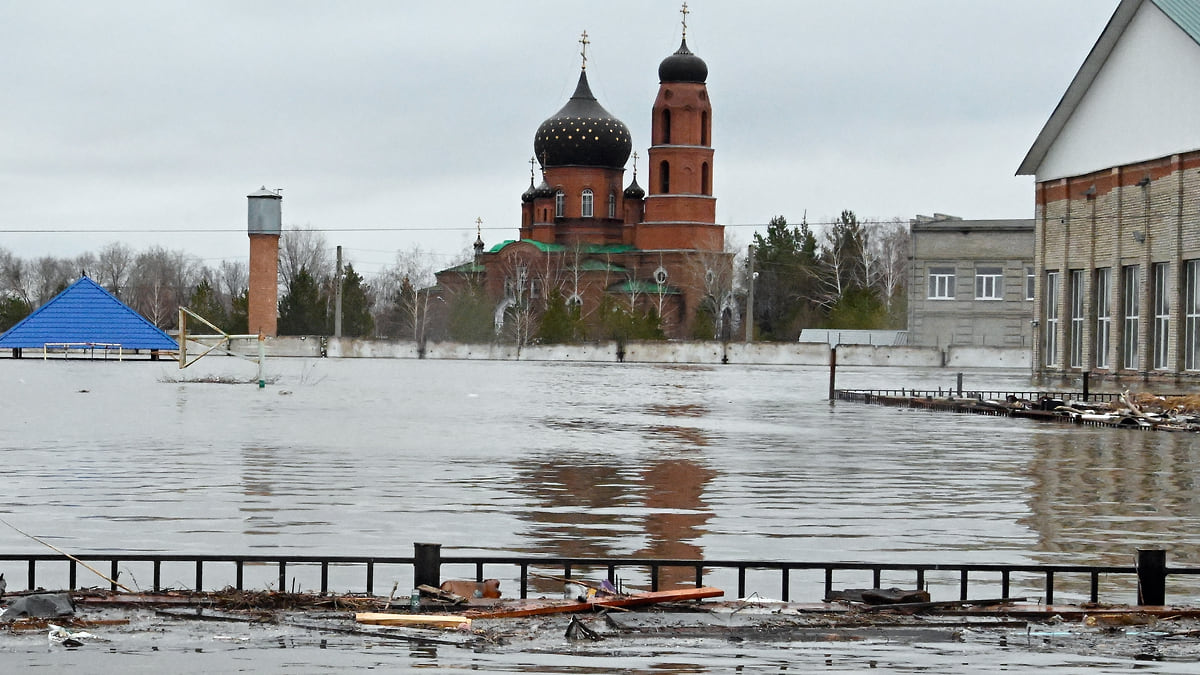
x: 941, y: 283
x: 989, y: 284
x: 587, y: 204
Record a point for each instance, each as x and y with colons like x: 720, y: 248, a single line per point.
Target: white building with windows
x: 1117, y: 168
x: 971, y: 282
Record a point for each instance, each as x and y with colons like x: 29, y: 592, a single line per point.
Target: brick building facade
x: 589, y: 236
x: 1118, y: 205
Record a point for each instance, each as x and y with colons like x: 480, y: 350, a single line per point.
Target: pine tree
x: 302, y: 310
x: 356, y: 306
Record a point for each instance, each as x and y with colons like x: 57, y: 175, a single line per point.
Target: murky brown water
x: 368, y: 456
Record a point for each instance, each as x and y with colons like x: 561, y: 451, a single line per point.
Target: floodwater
x: 726, y: 462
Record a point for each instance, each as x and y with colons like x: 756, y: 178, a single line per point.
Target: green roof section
x: 558, y: 248
x: 467, y: 268
x: 593, y: 265
x: 638, y: 286
x: 1185, y: 13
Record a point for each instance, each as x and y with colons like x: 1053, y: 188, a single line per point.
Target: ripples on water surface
x: 573, y: 459
x: 367, y: 456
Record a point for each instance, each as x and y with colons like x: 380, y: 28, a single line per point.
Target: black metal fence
x: 1148, y: 576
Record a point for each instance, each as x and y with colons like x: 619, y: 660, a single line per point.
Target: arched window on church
x: 664, y: 177
x: 585, y: 207
x: 612, y: 205
x: 666, y: 127
x: 703, y: 127
x: 705, y: 180
x: 560, y: 204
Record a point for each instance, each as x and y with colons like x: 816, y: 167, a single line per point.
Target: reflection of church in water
x: 588, y: 237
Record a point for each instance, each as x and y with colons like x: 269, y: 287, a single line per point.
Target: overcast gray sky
x: 417, y: 118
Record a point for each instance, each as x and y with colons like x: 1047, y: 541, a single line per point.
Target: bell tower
x: 681, y: 211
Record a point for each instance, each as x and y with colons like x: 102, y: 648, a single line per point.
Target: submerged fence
x: 1148, y: 576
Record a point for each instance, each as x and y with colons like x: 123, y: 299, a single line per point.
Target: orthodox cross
x: 583, y: 43
x: 532, y: 161
x: 635, y: 165
x: 479, y: 228
x: 684, y: 11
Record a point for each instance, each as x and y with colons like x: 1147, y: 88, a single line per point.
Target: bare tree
x: 162, y: 280
x: 307, y: 249
x: 890, y: 248
x: 51, y: 275
x: 233, y: 277
x: 113, y: 266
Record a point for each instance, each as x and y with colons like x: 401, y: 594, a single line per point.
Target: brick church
x: 591, y: 239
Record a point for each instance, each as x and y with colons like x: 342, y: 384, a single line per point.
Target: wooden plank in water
x: 536, y: 608
x: 435, y: 620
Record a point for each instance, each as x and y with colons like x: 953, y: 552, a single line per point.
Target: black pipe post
x: 1152, y: 576
x: 959, y: 394
x: 1086, y: 378
x: 427, y: 565
x: 832, y: 372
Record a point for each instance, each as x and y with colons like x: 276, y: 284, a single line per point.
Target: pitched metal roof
x: 86, y: 313
x: 1185, y: 14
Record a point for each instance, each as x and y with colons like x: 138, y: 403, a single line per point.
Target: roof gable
x: 86, y: 313
x: 1114, y: 87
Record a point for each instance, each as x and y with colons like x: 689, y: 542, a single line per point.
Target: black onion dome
x: 529, y: 194
x: 543, y: 190
x: 583, y: 133
x: 683, y: 66
x: 634, y: 191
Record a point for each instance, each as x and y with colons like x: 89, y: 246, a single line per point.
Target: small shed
x: 86, y: 316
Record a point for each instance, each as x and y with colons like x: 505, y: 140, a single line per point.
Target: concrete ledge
x: 756, y: 353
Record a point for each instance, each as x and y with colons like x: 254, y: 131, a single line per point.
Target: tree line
x: 850, y: 275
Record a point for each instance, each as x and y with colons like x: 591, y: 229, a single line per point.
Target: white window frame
x: 1030, y: 279
x: 1052, y: 282
x: 1191, y: 315
x: 612, y: 205
x: 560, y: 204
x: 941, y: 283
x: 989, y: 283
x: 586, y: 201
x: 1162, y: 315
x: 1077, y: 318
x: 1103, y: 303
x: 1130, y: 316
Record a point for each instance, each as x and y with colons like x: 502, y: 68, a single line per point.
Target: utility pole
x: 337, y: 296
x: 750, y: 296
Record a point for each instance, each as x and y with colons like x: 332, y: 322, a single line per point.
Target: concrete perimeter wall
x: 760, y: 353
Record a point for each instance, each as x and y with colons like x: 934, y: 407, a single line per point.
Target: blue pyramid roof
x: 87, y: 313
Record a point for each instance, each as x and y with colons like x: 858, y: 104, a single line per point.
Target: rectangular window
x: 1052, y: 318
x: 560, y: 204
x: 1191, y: 317
x: 941, y: 283
x: 1077, y: 318
x: 1162, y: 314
x: 989, y: 283
x: 1029, y: 281
x: 1129, y: 317
x: 1103, y: 297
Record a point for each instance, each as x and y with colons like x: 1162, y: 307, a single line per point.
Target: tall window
x: 941, y: 283
x: 989, y: 283
x: 585, y: 204
x: 612, y: 205
x: 703, y: 127
x: 560, y: 204
x: 1191, y: 316
x: 1129, y: 317
x: 705, y: 180
x: 1029, y: 281
x: 1052, y: 281
x: 666, y: 127
x: 1162, y: 314
x: 1077, y: 318
x: 664, y: 177
x: 1103, y: 295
